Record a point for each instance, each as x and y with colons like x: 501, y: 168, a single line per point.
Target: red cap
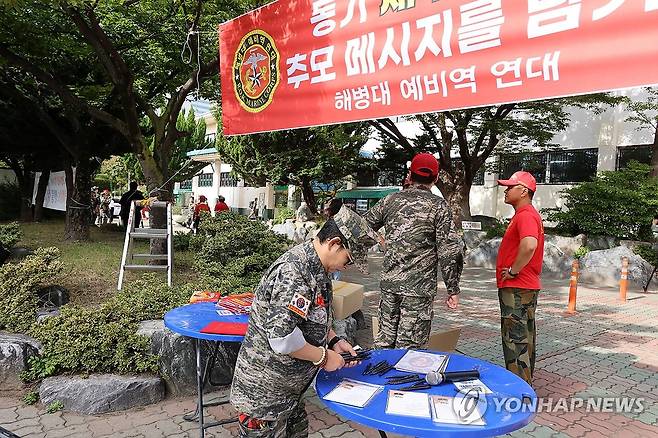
x: 524, y: 178
x: 425, y: 165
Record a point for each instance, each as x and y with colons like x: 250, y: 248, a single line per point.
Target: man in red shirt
x: 221, y: 204
x: 201, y: 206
x: 518, y: 268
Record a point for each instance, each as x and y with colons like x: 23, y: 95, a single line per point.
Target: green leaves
x: 10, y: 234
x: 617, y: 203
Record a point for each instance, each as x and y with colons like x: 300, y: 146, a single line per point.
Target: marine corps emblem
x: 256, y: 71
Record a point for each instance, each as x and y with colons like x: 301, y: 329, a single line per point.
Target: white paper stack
x: 353, y: 393
x: 408, y: 403
x: 420, y: 362
x: 455, y: 410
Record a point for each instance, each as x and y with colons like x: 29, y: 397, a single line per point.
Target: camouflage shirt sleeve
x: 449, y: 249
x: 290, y: 301
x: 375, y: 216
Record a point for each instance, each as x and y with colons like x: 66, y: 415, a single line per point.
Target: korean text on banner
x: 299, y: 63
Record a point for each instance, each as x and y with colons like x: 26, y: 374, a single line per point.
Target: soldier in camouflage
x: 420, y: 239
x: 518, y: 271
x: 289, y: 336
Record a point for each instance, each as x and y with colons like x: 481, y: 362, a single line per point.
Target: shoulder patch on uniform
x: 299, y: 305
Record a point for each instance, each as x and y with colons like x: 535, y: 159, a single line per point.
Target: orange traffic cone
x: 623, y: 281
x: 573, y: 287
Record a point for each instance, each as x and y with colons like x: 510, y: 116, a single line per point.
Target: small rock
x: 100, y: 393
x: 15, y: 350
x: 44, y: 314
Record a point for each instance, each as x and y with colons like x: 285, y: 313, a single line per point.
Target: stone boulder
x: 603, y: 267
x: 555, y: 260
x: 100, y: 393
x: 177, y: 358
x: 473, y: 238
x: 15, y: 350
x: 484, y: 256
x: 601, y: 242
x: 287, y: 229
x: 568, y: 245
x: 346, y: 329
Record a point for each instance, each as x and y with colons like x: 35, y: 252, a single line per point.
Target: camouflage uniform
x: 517, y: 327
x: 420, y: 239
x: 295, y: 293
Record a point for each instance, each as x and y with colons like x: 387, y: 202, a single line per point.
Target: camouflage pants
x: 517, y: 327
x: 293, y: 424
x: 404, y: 322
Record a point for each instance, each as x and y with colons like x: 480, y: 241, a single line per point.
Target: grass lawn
x: 92, y: 268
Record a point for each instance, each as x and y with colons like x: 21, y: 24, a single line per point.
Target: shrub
x: 104, y: 338
x: 580, y: 252
x: 31, y: 397
x: 10, y: 234
x: 182, y: 240
x: 18, y: 285
x: 496, y: 229
x: 234, y: 251
x: 283, y: 213
x: 54, y: 407
x: 621, y: 204
x: 10, y: 201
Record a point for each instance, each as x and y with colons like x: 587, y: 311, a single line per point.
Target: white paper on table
x: 466, y: 385
x: 408, y: 403
x: 353, y: 393
x: 420, y: 362
x: 447, y: 410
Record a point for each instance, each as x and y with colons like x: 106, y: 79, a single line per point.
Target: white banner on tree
x: 55, y: 198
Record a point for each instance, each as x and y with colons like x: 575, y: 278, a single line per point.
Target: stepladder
x: 135, y: 261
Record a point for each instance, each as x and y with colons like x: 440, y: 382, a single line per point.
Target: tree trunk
x: 654, y: 152
x: 309, y: 196
x: 41, y: 195
x: 456, y: 191
x: 78, y: 201
x: 26, y: 187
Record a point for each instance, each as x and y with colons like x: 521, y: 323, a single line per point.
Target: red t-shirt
x: 199, y: 208
x: 221, y: 206
x: 525, y: 223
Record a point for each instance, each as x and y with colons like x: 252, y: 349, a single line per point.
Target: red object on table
x: 226, y: 328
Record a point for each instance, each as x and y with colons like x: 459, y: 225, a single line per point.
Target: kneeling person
x: 290, y: 336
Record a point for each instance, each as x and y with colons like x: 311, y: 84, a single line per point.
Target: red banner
x: 300, y: 63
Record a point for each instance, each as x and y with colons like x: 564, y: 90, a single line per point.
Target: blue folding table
x: 509, y: 391
x: 188, y: 321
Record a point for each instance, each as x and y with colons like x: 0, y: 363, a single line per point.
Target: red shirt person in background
x: 221, y: 204
x: 202, y: 205
x: 518, y: 268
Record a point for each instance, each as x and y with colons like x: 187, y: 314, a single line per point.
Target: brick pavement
x: 607, y: 350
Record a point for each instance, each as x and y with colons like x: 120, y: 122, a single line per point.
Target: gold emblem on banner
x: 256, y: 71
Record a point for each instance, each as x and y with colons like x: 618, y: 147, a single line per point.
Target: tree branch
x: 63, y: 92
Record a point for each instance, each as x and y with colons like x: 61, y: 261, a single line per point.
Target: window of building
x: 554, y: 167
x: 186, y: 185
x: 572, y: 166
x: 534, y: 162
x: 205, y: 180
x: 626, y: 154
x: 226, y: 180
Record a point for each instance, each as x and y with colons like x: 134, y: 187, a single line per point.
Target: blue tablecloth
x: 190, y: 319
x: 503, y: 384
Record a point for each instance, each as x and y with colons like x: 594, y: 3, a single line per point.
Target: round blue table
x: 503, y: 384
x: 188, y: 321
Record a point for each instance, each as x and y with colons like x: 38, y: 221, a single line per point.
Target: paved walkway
x: 607, y: 350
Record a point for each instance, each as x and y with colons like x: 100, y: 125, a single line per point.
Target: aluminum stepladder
x: 128, y: 258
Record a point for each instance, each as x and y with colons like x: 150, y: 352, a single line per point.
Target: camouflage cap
x: 360, y: 237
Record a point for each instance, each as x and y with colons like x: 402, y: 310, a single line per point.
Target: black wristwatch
x: 333, y: 342
x: 509, y: 272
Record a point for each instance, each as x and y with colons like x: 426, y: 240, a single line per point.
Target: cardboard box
x: 440, y: 341
x: 348, y: 298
